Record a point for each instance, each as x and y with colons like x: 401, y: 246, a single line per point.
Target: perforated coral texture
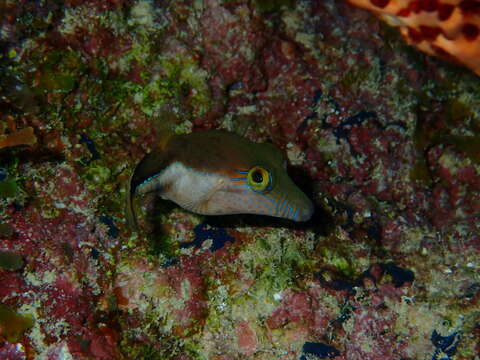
x: 447, y: 28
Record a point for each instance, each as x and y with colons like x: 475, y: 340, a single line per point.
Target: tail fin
x: 151, y: 165
x: 130, y: 210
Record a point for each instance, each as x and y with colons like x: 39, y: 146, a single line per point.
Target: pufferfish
x: 215, y: 172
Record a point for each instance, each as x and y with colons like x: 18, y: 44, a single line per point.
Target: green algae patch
x: 341, y: 264
x: 97, y: 175
x: 13, y: 325
x: 456, y: 112
x: 10, y: 260
x: 161, y: 245
x: 8, y: 188
x: 354, y: 79
x: 419, y: 172
x: 273, y: 5
x: 442, y: 132
x: 171, y: 348
x: 272, y: 263
x: 470, y: 145
x: 59, y: 72
x: 182, y: 82
x: 5, y: 231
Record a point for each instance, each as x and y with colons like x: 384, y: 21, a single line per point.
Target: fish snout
x: 305, y: 211
x: 299, y: 209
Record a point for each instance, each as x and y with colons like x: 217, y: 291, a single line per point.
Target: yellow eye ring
x: 259, y: 179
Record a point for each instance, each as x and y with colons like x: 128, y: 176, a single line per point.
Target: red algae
x: 247, y: 340
x: 383, y: 140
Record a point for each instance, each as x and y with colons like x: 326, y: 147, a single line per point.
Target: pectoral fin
x: 146, y: 171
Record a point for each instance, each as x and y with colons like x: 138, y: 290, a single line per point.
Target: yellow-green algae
x: 427, y: 134
x: 11, y: 187
x: 273, y: 5
x: 8, y: 188
x: 180, y: 78
x: 269, y: 264
x: 342, y: 264
x: 59, y: 72
x: 98, y: 175
x: 13, y: 325
x: 10, y: 260
x: 355, y: 79
x: 5, y: 230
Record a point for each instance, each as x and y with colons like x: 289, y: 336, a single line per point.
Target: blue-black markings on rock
x: 112, y: 228
x: 445, y: 346
x: 95, y: 253
x: 3, y: 174
x: 374, y: 232
x: 84, y: 139
x: 320, y: 350
x: 343, y: 130
x: 204, y: 231
x: 399, y: 275
x: 471, y: 291
x: 317, y: 96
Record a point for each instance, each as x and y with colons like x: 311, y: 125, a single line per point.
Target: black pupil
x: 257, y: 177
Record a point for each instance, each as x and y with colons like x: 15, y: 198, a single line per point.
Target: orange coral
x: 445, y: 28
x: 24, y: 136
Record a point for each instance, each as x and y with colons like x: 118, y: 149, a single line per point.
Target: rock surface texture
x: 382, y: 137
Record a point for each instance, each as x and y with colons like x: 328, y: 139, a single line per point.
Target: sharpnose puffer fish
x: 219, y: 173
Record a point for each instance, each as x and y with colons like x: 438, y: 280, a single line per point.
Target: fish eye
x: 259, y: 179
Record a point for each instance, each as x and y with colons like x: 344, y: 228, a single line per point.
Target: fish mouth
x: 295, y: 211
x: 304, y: 213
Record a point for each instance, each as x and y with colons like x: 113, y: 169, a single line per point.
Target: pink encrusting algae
x: 384, y: 140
